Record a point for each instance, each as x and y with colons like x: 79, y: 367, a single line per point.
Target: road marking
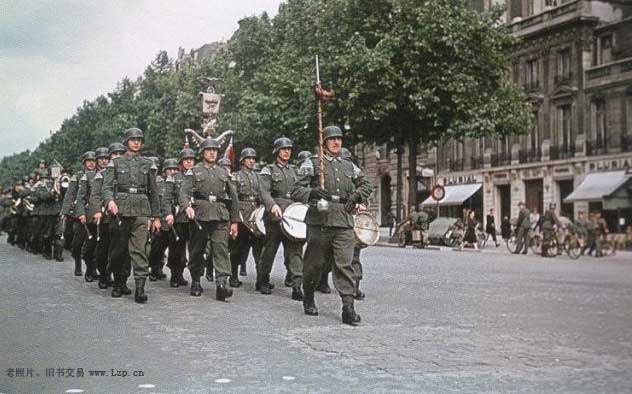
x: 146, y: 386
x: 288, y: 378
x: 222, y: 380
x: 74, y: 391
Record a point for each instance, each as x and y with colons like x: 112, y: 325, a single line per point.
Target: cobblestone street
x: 433, y: 321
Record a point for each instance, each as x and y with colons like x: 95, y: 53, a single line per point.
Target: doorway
x: 534, y: 195
x: 504, y: 191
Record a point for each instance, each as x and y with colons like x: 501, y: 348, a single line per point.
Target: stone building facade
x: 574, y: 61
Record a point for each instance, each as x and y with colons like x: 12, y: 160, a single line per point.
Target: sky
x: 55, y: 54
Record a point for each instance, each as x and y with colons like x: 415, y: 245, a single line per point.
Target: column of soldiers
x: 122, y: 215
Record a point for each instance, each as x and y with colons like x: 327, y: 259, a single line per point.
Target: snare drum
x: 255, y: 222
x: 365, y: 229
x: 293, y: 221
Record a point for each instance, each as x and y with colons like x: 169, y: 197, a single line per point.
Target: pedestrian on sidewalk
x: 470, y: 231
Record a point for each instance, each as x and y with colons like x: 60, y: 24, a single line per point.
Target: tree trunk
x: 412, y: 173
x: 400, y: 185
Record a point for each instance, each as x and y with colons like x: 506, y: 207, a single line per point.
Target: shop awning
x: 454, y: 195
x: 597, y: 186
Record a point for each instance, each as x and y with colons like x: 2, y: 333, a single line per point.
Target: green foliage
x: 402, y: 71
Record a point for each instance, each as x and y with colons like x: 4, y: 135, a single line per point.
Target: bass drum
x: 255, y: 222
x: 293, y: 221
x: 365, y: 230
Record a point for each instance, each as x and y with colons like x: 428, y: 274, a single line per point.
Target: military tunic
x: 48, y: 208
x: 330, y: 233
x: 130, y: 181
x: 276, y: 181
x: 160, y: 241
x: 177, y: 247
x: 524, y: 228
x: 247, y: 186
x: 85, y: 206
x: 209, y: 191
x: 68, y: 211
x: 548, y: 231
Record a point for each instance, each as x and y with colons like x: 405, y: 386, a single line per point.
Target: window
x: 530, y: 7
x: 565, y: 137
x: 601, y: 131
x: 531, y: 74
x: 605, y: 49
x: 534, y: 140
x: 564, y: 64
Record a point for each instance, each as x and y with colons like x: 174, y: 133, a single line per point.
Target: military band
x: 119, y: 212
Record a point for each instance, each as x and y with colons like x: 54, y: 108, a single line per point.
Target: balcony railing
x: 626, y: 143
x: 596, y: 147
x: 500, y: 159
x: 476, y: 162
x: 562, y: 152
x: 456, y: 165
x: 529, y: 156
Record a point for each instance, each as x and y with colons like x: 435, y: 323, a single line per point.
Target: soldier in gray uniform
x: 166, y: 187
x: 211, y: 202
x: 69, y: 207
x: 131, y: 195
x: 247, y: 184
x: 524, y: 227
x: 178, y: 245
x: 89, y: 211
x: 49, y: 202
x: 330, y: 229
x: 276, y: 181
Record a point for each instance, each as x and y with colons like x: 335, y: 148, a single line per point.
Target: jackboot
x: 222, y: 292
x: 309, y: 306
x: 196, y: 288
x: 78, y: 271
x: 323, y: 286
x: 349, y: 316
x: 297, y: 294
x: 117, y: 290
x: 234, y: 282
x: 140, y: 296
x: 209, y: 275
x: 359, y: 295
x: 288, y: 279
x: 242, y: 270
x: 103, y: 281
x: 126, y: 290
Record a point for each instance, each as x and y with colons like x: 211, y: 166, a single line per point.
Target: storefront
x: 457, y: 198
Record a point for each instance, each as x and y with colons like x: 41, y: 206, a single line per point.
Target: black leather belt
x: 209, y: 198
x: 131, y: 190
x: 247, y: 198
x: 338, y: 199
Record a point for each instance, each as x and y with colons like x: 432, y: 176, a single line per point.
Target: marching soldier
x: 247, y: 184
x: 211, y: 203
x: 276, y: 182
x: 178, y: 244
x: 548, y: 229
x: 37, y: 219
x: 131, y: 195
x: 50, y: 206
x: 69, y: 208
x: 524, y: 227
x: 22, y: 194
x: 89, y: 212
x: 104, y: 220
x: 330, y: 227
x: 166, y: 186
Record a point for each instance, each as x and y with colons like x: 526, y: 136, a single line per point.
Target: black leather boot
x: 323, y: 286
x: 103, y: 281
x: 349, y: 316
x: 297, y: 294
x: 309, y: 306
x: 234, y: 282
x: 78, y: 271
x: 153, y: 275
x: 242, y: 270
x: 222, y: 292
x: 173, y: 282
x: 288, y: 279
x: 181, y: 280
x: 209, y: 275
x: 140, y: 296
x: 359, y: 295
x: 196, y: 288
x: 117, y: 291
x: 126, y: 290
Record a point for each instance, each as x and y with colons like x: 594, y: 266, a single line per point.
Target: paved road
x: 434, y: 321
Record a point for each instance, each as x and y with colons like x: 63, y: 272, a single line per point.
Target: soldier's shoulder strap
x: 266, y: 170
x: 170, y: 179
